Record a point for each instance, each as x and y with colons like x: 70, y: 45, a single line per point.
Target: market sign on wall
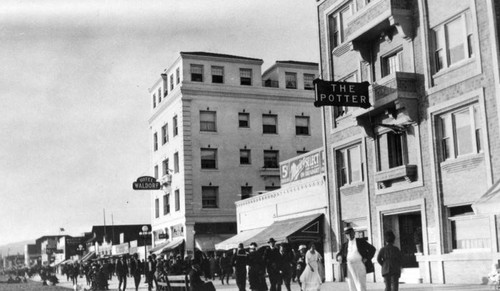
x: 331, y: 93
x: 303, y: 166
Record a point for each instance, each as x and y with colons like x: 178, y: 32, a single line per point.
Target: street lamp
x: 144, y: 233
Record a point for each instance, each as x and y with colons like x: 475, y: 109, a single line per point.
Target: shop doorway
x: 408, y: 230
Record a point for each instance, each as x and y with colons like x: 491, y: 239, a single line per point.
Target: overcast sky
x: 74, y: 102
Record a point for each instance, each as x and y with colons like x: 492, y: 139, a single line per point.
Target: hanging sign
x: 331, y: 93
x: 146, y: 183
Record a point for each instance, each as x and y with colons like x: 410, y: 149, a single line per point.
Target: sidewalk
x: 342, y: 286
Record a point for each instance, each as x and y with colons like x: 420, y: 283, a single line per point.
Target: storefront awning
x: 165, y: 247
x: 207, y: 242
x: 232, y: 242
x: 294, y: 229
x: 489, y: 203
x: 88, y: 256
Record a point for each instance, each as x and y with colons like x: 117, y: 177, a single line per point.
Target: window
x: 246, y: 192
x: 209, y: 196
x: 467, y: 230
x: 157, y: 207
x: 176, y: 162
x: 453, y: 41
x: 209, y: 158
x: 174, y: 122
x: 271, y: 159
x: 177, y: 76
x: 246, y: 77
x: 291, y: 80
x: 349, y: 165
x: 197, y: 73
x: 269, y: 123
x: 155, y: 141
x: 461, y: 132
x: 165, y: 167
x: 154, y: 101
x: 271, y: 188
x: 336, y: 25
x: 171, y: 82
x: 392, y: 63
x: 177, y: 200
x: 392, y: 150
x: 159, y: 95
x: 302, y: 125
x: 166, y: 204
x: 156, y: 172
x: 217, y: 74
x: 245, y: 157
x: 164, y: 134
x: 308, y: 81
x: 301, y: 152
x: 243, y: 119
x: 165, y: 93
x: 207, y: 121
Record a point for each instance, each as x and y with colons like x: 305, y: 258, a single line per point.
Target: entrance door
x: 410, y: 233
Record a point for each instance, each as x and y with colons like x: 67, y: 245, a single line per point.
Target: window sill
x: 208, y: 132
x: 210, y: 170
x: 302, y: 135
x: 349, y: 189
x: 407, y: 172
x: 454, y: 67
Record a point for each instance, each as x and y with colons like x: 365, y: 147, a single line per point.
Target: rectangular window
x: 155, y: 141
x: 290, y: 80
x: 245, y: 157
x: 157, y: 207
x: 337, y: 25
x: 302, y: 125
x: 460, y: 132
x: 396, y: 143
x: 165, y: 167
x: 308, y: 81
x: 197, y: 73
x: 271, y: 188
x: 246, y: 192
x: 392, y: 63
x: 467, y: 230
x: 166, y: 204
x: 217, y: 74
x: 349, y: 165
x: 209, y: 158
x: 174, y: 123
x: 177, y: 76
x: 154, y: 101
x: 177, y: 200
x: 209, y: 196
x: 208, y: 121
x: 165, y: 93
x: 453, y: 41
x: 243, y: 119
x: 176, y: 162
x: 159, y: 95
x: 271, y: 159
x: 269, y: 123
x: 164, y: 134
x: 246, y: 77
x: 156, y: 172
x: 171, y: 82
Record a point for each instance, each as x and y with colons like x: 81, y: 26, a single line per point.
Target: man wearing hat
x: 273, y: 264
x: 256, y: 269
x: 136, y: 270
x: 240, y: 266
x: 356, y: 258
x: 121, y: 271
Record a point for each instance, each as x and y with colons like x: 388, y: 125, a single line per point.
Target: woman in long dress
x: 311, y: 277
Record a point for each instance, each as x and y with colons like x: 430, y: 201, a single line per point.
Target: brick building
x: 428, y: 147
x: 219, y: 128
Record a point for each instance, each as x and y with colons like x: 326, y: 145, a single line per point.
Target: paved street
x: 295, y: 287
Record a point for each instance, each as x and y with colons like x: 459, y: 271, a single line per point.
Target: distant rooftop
x: 205, y: 54
x: 297, y: 63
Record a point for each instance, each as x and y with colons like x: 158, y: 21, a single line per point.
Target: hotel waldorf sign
x: 341, y: 94
x: 146, y: 183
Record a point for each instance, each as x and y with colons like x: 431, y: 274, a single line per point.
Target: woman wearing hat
x: 311, y: 277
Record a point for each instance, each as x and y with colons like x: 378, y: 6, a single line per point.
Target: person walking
x: 273, y: 263
x: 240, y: 267
x: 149, y: 272
x: 390, y: 257
x: 301, y: 262
x: 121, y: 271
x: 311, y: 276
x: 136, y: 270
x: 287, y: 262
x: 256, y: 269
x: 225, y: 267
x: 356, y: 256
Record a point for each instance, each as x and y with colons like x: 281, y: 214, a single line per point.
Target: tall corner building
x: 219, y: 128
x: 421, y: 159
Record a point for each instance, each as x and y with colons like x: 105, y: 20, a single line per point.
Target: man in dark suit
x: 135, y: 270
x: 121, y: 271
x: 356, y: 256
x: 240, y: 266
x: 273, y: 263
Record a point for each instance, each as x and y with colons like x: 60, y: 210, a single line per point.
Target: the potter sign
x: 301, y: 167
x: 341, y: 94
x: 146, y: 183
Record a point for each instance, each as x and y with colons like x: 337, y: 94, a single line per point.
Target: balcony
x: 408, y: 172
x: 378, y: 18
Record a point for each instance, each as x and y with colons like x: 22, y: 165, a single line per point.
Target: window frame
x: 387, y: 68
x: 164, y: 134
x: 245, y: 80
x: 344, y: 166
x: 215, y: 199
x: 240, y: 114
x: 166, y: 204
x: 214, y: 79
x: 301, y: 130
x: 177, y: 195
x: 291, y: 80
x: 209, y: 164
x: 156, y: 172
x: 171, y: 82
x: 337, y: 25
x: 177, y: 76
x: 306, y: 81
x: 205, y: 126
x: 266, y: 128
x: 155, y: 141
x: 157, y: 207
x: 245, y: 194
x: 274, y: 164
x: 249, y: 157
x: 395, y: 157
x: 175, y: 126
x: 176, y: 162
x: 165, y: 165
x: 196, y: 77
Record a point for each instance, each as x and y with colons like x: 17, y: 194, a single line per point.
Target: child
x: 390, y: 258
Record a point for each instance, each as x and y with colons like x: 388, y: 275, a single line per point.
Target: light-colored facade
x: 427, y: 149
x: 218, y: 129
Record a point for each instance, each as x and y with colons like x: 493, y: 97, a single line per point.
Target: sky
x: 74, y: 101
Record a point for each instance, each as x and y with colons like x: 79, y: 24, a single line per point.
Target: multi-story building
x: 416, y: 161
x: 219, y: 129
